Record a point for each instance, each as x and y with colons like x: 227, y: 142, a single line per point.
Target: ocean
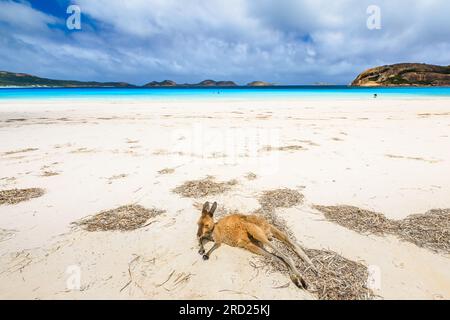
x: 224, y: 93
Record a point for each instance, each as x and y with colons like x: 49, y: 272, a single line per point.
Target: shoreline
x: 292, y: 94
x: 180, y: 101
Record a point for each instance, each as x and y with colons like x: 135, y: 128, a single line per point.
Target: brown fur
x: 249, y: 232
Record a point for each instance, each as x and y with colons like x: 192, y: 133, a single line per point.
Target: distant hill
x: 25, y: 80
x: 404, y: 74
x: 204, y: 83
x: 11, y: 79
x: 212, y: 83
x: 259, y: 84
x: 165, y: 83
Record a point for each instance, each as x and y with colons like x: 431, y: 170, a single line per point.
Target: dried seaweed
x: 14, y: 196
x: 6, y: 234
x: 359, y: 220
x: 283, y: 148
x: 124, y: 218
x: 251, y: 176
x: 204, y: 187
x: 280, y: 198
x: 430, y: 230
x: 338, y: 278
x: 19, y: 151
x: 166, y: 171
x: 49, y: 174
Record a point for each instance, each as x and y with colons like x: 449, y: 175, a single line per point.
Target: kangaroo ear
x: 205, y: 209
x: 213, y: 208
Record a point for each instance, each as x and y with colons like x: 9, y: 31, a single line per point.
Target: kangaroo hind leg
x: 278, y: 234
x: 258, y: 234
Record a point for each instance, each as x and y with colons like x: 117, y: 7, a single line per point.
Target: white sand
x: 389, y: 156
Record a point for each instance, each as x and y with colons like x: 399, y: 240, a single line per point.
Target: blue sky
x: 285, y: 41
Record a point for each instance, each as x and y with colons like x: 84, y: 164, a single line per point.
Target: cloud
x: 20, y: 16
x: 290, y: 41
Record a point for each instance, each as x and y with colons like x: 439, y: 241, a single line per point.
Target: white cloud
x: 20, y: 16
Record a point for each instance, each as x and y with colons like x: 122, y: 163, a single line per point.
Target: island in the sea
x: 12, y: 79
x: 259, y: 84
x: 405, y: 74
x: 204, y: 83
x: 400, y: 75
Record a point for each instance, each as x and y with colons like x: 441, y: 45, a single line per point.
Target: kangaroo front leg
x: 214, y: 247
x: 201, y: 242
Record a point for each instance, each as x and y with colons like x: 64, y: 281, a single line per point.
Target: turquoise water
x: 291, y: 92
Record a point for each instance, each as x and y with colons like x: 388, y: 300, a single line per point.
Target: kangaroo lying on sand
x: 249, y: 232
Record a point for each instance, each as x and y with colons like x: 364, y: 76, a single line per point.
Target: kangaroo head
x: 206, y: 221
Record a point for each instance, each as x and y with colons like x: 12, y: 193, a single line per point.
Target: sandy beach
x: 389, y: 156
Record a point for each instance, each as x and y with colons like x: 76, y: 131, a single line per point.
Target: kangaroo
x: 249, y: 232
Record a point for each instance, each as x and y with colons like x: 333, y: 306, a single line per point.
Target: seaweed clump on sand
x: 283, y: 148
x: 166, y: 171
x: 430, y: 230
x: 356, y: 219
x: 337, y: 278
x: 14, y: 196
x: 251, y: 176
x: 124, y: 218
x: 280, y: 198
x: 204, y: 187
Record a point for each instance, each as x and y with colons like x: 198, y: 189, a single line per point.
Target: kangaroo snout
x: 199, y: 232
